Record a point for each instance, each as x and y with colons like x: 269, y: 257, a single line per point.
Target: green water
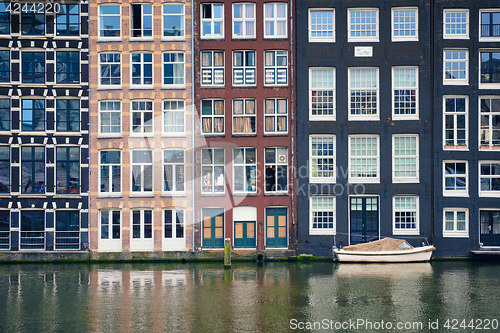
x: 271, y: 297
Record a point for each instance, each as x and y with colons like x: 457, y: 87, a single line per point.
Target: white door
x: 174, y: 231
x: 110, y: 231
x: 141, y: 238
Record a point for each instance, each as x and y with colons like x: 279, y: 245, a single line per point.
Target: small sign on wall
x: 363, y: 51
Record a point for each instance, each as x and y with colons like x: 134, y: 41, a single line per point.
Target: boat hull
x: 418, y: 254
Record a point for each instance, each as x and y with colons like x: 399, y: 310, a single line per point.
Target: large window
x: 212, y: 68
x: 321, y: 25
x: 33, y: 170
x: 212, y: 169
x: 4, y: 114
x: 33, y: 115
x: 244, y: 116
x: 4, y: 170
x: 276, y: 67
x: 173, y: 170
x: 455, y: 222
x: 245, y: 170
x: 490, y: 69
x: 244, y: 70
x: 4, y: 18
x: 109, y: 21
x: 275, y: 20
x: 173, y: 226
x: 110, y: 69
x: 362, y: 25
x: 67, y: 115
x: 110, y: 117
x: 141, y: 20
x: 142, y: 117
x: 142, y: 171
x: 173, y: 69
x: 32, y: 23
x: 212, y: 116
x: 142, y: 69
x: 322, y: 159
x: 489, y: 117
x: 276, y: 116
x: 173, y: 117
x: 455, y: 178
x: 110, y: 224
x: 276, y: 169
x: 67, y: 231
x: 406, y: 215
x: 5, y: 229
x: 32, y: 231
x: 364, y: 159
x: 405, y: 92
x: 490, y: 24
x: 110, y: 168
x: 68, y: 20
x: 455, y: 122
x: 404, y: 24
x: 363, y: 93
x: 322, y: 215
x: 322, y: 93
x: 489, y: 177
x: 4, y: 65
x: 244, y: 20
x: 456, y: 67
x: 212, y: 20
x: 68, y: 170
x: 68, y: 67
x: 456, y: 23
x: 173, y: 21
x: 405, y: 158
x: 33, y: 67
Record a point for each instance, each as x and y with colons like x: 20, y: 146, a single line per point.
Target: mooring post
x: 227, y: 252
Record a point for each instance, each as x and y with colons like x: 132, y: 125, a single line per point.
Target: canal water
x: 250, y: 297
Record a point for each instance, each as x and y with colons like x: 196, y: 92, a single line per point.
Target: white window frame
x: 143, y: 126
x: 142, y: 243
x: 208, y: 186
x: 456, y: 233
x: 165, y: 15
x: 110, y: 86
x: 245, y: 164
x: 99, y: 16
x: 324, y: 209
x: 406, y: 179
x: 359, y: 179
x: 363, y: 116
x: 142, y: 166
x: 327, y: 39
x: 487, y: 39
x: 483, y: 193
x: 314, y: 171
x: 175, y: 113
x: 111, y: 112
x: 455, y: 123
x: 212, y: 21
x: 275, y: 20
x: 487, y: 85
x: 174, y: 243
x: 403, y: 99
x: 278, y: 160
x: 110, y: 244
x: 275, y: 75
x: 142, y: 64
x: 459, y: 81
x: 393, y: 24
x: 174, y: 64
x: 410, y: 231
x: 212, y: 75
x: 244, y: 20
x: 142, y: 37
x: 327, y: 87
x: 110, y: 169
x: 213, y: 117
x: 455, y: 36
x: 491, y: 114
x: 350, y: 38
x: 174, y: 165
x: 276, y: 115
x: 244, y: 114
x: 456, y: 193
x: 244, y: 75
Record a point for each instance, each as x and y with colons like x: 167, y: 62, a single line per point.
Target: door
x: 490, y: 227
x: 276, y: 227
x: 364, y: 219
x: 245, y: 220
x: 174, y: 238
x: 213, y: 228
x: 142, y: 230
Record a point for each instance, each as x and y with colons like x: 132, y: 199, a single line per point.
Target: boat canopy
x: 385, y: 244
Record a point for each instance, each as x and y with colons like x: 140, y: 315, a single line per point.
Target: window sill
x: 218, y: 194
x: 489, y: 148
x: 32, y: 196
x: 455, y: 194
x: 275, y: 38
x: 141, y: 39
x: 67, y: 196
x: 76, y: 85
x: 456, y: 37
x: 145, y: 195
x: 165, y: 39
x: 363, y: 118
x: 325, y: 180
x: 489, y: 39
x: 9, y: 133
x: 67, y: 134
x: 36, y: 37
x: 27, y: 85
x: 490, y: 194
x: 276, y: 134
x: 213, y: 134
x: 212, y: 86
x: 312, y: 40
x: 364, y: 181
x: 236, y: 135
x: 362, y: 40
x: 5, y: 196
x: 244, y: 39
x: 6, y: 84
x: 109, y: 196
x: 405, y: 181
x: 208, y: 39
x: 104, y: 40
x: 143, y: 87
x: 245, y: 86
x: 176, y: 87
x: 457, y: 83
x: 245, y: 194
x: 142, y: 135
x: 326, y: 118
x: 41, y: 133
x: 489, y: 85
x: 455, y: 235
x: 273, y: 194
x: 402, y: 118
x: 406, y: 232
x: 322, y: 232
x: 183, y: 135
x: 67, y: 38
x: 397, y: 40
x: 461, y: 148
x: 109, y: 136
x: 173, y: 195
x: 110, y: 88
x: 272, y: 86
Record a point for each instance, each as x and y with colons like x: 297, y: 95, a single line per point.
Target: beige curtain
x: 218, y: 59
x: 270, y: 124
x: 238, y: 107
x: 269, y: 58
x: 219, y: 107
x: 207, y: 125
x: 281, y: 124
x: 218, y: 125
x: 269, y: 106
x: 205, y: 59
x: 250, y: 107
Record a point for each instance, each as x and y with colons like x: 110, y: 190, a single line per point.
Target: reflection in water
x: 246, y: 298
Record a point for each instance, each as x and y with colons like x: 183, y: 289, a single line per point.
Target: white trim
x: 99, y: 133
x: 163, y: 15
x: 175, y: 243
x: 455, y: 123
x: 99, y: 64
x: 275, y: 20
x: 415, y: 179
x: 317, y: 179
x: 244, y: 165
x: 415, y: 231
x: 491, y: 114
x: 212, y: 20
x: 456, y: 193
x: 333, y: 90
x: 363, y: 117
x: 243, y: 20
x: 99, y: 15
x: 322, y: 231
x: 456, y: 36
x: 361, y: 180
x: 142, y: 165
x: 174, y: 85
x: 212, y: 179
x: 142, y: 133
x: 405, y: 38
x: 494, y: 194
x: 278, y: 160
x: 455, y: 233
x: 487, y: 39
x: 245, y: 115
x: 276, y: 116
x: 417, y: 94
x: 321, y: 39
x: 142, y: 64
x: 459, y: 81
x: 110, y: 244
x: 244, y: 68
x: 495, y: 85
x: 275, y: 69
x: 142, y: 244
x: 360, y: 38
x: 174, y: 172
x: 163, y: 111
x: 109, y: 165
x: 131, y: 22
x: 213, y: 116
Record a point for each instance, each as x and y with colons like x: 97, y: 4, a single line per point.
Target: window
x: 455, y: 122
x: 362, y: 25
x: 244, y: 20
x: 4, y: 18
x: 110, y: 116
x: 406, y: 215
x: 212, y: 169
x: 142, y: 117
x: 455, y: 222
x: 490, y: 24
x: 212, y: 116
x: 67, y: 115
x: 33, y: 67
x: 490, y: 69
x: 32, y: 170
x: 455, y: 174
x: 110, y: 65
x: 364, y: 159
x: 5, y: 229
x: 212, y: 20
x: 276, y: 169
x: 489, y: 119
x: 32, y: 232
x: 322, y: 159
x: 68, y: 20
x: 212, y: 68
x: 456, y: 67
x: 173, y: 223
x: 213, y: 227
x: 109, y: 21
x: 456, y: 23
x: 142, y: 230
x: 173, y: 117
x: 489, y: 176
x: 322, y: 94
x: 173, y: 21
x: 363, y: 93
x: 68, y: 170
x: 68, y: 67
x: 4, y: 65
x: 142, y: 171
x: 244, y: 116
x: 173, y: 170
x: 322, y: 215
x: 275, y: 20
x: 67, y: 231
x: 142, y: 69
x: 321, y: 25
x: 276, y: 67
x: 32, y: 23
x: 405, y: 166
x: 4, y: 170
x: 276, y: 114
x: 4, y: 114
x: 110, y: 224
x: 405, y: 92
x: 245, y: 170
x: 173, y: 69
x: 110, y: 168
x: 33, y: 115
x: 141, y: 20
x: 244, y: 68
x: 404, y: 24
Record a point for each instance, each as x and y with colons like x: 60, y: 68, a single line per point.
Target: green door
x: 364, y: 219
x: 244, y: 234
x: 213, y: 228
x: 276, y: 227
x: 490, y: 227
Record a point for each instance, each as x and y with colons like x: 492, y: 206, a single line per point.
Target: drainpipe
x: 292, y: 116
x: 193, y: 168
x: 89, y: 159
